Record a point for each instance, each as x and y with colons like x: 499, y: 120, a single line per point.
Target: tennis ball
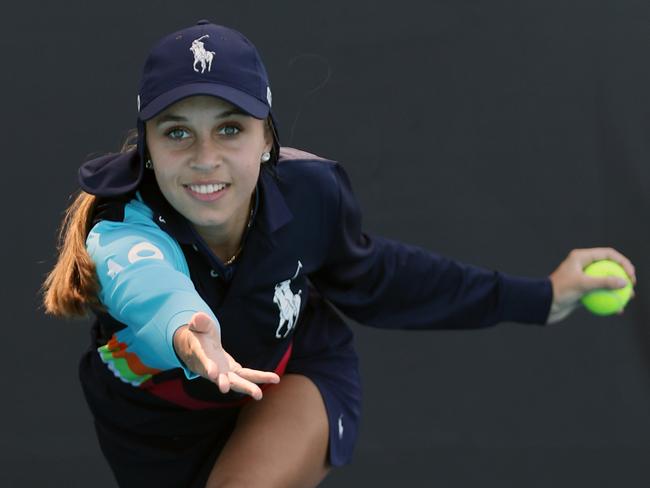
x: 605, y: 301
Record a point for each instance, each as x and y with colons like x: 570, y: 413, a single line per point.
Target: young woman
x: 206, y: 253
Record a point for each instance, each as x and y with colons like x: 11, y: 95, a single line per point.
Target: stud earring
x: 265, y: 156
x: 148, y: 164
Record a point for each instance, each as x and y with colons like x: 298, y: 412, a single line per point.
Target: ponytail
x: 71, y: 287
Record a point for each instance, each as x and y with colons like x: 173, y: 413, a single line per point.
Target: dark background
x: 501, y: 133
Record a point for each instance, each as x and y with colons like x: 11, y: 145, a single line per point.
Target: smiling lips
x: 208, y: 192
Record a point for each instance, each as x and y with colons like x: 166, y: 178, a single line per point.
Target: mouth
x: 207, y: 192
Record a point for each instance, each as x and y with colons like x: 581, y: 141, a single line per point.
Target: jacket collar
x: 274, y: 212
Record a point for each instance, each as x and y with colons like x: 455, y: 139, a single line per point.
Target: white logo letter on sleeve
x: 144, y: 250
x: 113, y: 269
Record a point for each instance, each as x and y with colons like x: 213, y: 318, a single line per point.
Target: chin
x: 208, y: 222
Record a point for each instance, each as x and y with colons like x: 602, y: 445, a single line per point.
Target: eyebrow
x: 179, y: 118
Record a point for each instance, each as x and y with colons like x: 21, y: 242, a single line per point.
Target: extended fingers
x: 257, y: 376
x: 237, y: 383
x: 224, y: 383
x: 207, y: 358
x: 222, y: 380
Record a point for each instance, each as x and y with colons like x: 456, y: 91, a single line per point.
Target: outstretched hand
x: 198, y: 345
x: 570, y: 282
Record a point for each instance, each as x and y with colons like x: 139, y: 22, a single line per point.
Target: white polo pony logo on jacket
x: 201, y: 56
x: 289, y: 304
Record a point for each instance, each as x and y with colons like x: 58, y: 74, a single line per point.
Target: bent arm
x: 388, y: 284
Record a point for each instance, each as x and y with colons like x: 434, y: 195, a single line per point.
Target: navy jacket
x: 307, y: 233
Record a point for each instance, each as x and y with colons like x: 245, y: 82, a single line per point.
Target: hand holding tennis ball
x: 607, y: 301
x: 571, y: 282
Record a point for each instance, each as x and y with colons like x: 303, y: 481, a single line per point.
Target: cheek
x: 252, y: 170
x: 165, y: 175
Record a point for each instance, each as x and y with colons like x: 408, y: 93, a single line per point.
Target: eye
x: 177, y: 133
x: 229, y: 130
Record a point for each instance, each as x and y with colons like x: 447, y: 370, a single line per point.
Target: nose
x: 207, y: 155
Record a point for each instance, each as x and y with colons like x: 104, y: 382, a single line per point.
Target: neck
x: 226, y: 241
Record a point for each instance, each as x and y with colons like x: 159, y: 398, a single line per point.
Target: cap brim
x: 244, y: 101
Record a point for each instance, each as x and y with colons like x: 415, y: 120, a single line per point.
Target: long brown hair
x: 71, y: 288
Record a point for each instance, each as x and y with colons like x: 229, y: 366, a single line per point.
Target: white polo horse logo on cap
x: 288, y: 303
x: 201, y: 56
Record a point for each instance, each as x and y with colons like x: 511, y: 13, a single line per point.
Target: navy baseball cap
x: 205, y: 59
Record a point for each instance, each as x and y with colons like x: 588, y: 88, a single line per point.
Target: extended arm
x: 388, y: 284
x: 145, y: 284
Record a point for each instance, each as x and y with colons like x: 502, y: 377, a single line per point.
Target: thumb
x: 605, y: 282
x: 201, y: 323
